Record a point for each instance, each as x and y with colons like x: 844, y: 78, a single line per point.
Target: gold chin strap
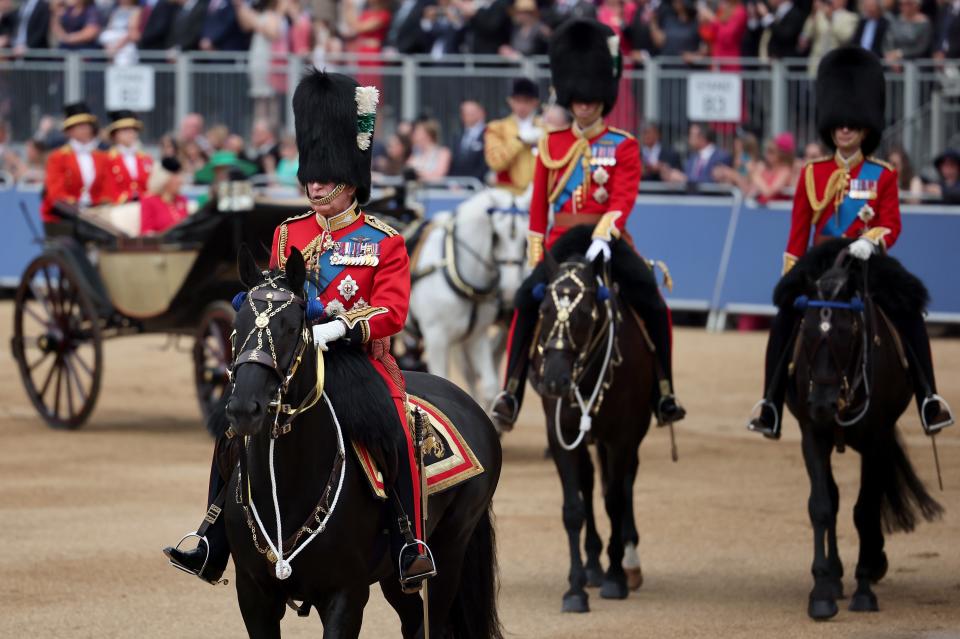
x: 328, y: 198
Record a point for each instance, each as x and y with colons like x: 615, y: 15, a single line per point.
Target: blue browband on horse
x: 803, y: 302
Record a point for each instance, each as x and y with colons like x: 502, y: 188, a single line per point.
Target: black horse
x: 851, y: 382
x: 318, y: 483
x: 595, y: 372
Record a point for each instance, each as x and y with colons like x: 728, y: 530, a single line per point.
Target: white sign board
x: 714, y: 97
x: 130, y: 88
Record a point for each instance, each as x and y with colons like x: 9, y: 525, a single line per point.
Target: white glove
x: 531, y: 136
x: 862, y: 249
x: 323, y: 334
x: 596, y: 248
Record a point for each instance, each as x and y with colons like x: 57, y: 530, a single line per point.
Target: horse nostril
x: 253, y: 408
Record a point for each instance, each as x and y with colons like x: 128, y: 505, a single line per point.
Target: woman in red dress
x: 368, y: 31
x: 164, y: 206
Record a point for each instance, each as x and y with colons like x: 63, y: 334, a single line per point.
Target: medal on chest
x: 358, y: 251
x: 604, y: 157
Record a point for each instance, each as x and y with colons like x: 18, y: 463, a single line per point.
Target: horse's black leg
x: 613, y: 464
x: 574, y: 513
x: 593, y: 544
x: 409, y: 607
x: 261, y: 610
x: 872, y: 562
x: 833, y: 551
x: 817, y: 448
x: 630, y: 536
x: 342, y: 613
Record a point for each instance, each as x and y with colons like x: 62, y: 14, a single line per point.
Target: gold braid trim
x: 570, y: 159
x: 282, y: 246
x: 836, y: 187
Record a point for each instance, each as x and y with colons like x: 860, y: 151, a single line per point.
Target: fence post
x: 73, y: 78
x: 651, y: 90
x: 778, y: 99
x: 937, y: 131
x: 181, y: 90
x: 408, y: 107
x: 294, y: 71
x: 911, y: 106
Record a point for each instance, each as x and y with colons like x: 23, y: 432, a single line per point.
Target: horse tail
x: 904, y: 495
x: 474, y: 611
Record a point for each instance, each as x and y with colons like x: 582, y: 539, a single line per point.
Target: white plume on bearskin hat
x: 851, y: 91
x: 585, y: 63
x: 334, y: 120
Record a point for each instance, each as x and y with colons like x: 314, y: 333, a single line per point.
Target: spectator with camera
x: 781, y: 24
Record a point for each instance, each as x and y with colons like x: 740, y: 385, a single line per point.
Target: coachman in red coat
x: 853, y: 195
x: 359, y: 273
x: 128, y: 166
x: 586, y: 175
x: 77, y: 171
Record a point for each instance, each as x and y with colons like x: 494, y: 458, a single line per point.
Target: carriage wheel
x: 57, y: 342
x: 212, y: 354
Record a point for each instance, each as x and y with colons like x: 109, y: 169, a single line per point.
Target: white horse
x: 466, y: 272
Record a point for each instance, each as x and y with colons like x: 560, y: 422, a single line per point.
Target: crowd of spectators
x: 695, y: 30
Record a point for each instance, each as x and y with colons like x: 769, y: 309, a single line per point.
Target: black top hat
x: 77, y: 113
x: 334, y: 120
x: 525, y: 88
x: 123, y: 119
x: 585, y: 63
x: 171, y: 164
x: 851, y: 91
x: 949, y: 154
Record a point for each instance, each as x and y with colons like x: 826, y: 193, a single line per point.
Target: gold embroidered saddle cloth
x: 447, y: 456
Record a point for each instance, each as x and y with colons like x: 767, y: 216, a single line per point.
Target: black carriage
x: 94, y: 281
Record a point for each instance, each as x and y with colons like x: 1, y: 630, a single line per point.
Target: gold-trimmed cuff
x: 606, y: 228
x: 534, y: 249
x: 360, y: 317
x: 789, y: 261
x: 877, y: 235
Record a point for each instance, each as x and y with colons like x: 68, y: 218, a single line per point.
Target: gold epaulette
x: 626, y: 134
x: 824, y: 158
x: 882, y: 163
x: 298, y: 217
x: 380, y: 226
x: 282, y: 239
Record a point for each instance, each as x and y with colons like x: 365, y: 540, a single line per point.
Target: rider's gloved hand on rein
x: 862, y: 249
x: 597, y: 247
x: 323, y: 334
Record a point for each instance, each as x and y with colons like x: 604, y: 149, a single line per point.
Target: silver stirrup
x: 755, y: 412
x: 413, y: 544
x: 923, y: 414
x: 206, y: 556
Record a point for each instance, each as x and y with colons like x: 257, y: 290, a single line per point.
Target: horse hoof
x: 614, y: 589
x: 575, y: 603
x: 822, y: 609
x: 864, y: 602
x: 634, y: 578
x: 594, y: 577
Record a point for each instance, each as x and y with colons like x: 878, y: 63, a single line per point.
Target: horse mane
x: 891, y: 285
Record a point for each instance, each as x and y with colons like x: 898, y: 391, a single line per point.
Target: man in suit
x: 156, y: 22
x: 406, y: 35
x: 488, y: 25
x: 221, y: 31
x: 33, y: 25
x: 947, y: 42
x: 468, y: 160
x: 783, y: 24
x: 658, y: 160
x: 872, y: 28
x: 703, y: 158
x: 187, y: 25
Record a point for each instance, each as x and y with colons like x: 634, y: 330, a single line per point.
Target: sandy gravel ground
x: 725, y: 540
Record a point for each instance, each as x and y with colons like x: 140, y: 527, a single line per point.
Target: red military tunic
x: 363, y: 275
x: 123, y: 187
x: 583, y: 175
x: 64, y: 181
x: 822, y: 187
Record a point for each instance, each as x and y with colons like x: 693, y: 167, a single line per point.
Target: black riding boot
x: 506, y: 407
x: 209, y: 559
x: 414, y: 560
x: 935, y: 414
x: 638, y: 288
x: 779, y: 344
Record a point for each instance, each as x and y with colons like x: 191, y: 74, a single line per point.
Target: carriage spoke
x: 72, y: 373
x: 44, y: 301
x: 56, y: 395
x: 46, y: 382
x: 32, y: 313
x: 53, y: 296
x: 68, y: 389
x: 42, y: 359
x: 83, y: 364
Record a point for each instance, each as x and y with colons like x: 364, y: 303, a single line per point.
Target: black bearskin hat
x: 585, y: 63
x: 851, y: 92
x: 334, y: 118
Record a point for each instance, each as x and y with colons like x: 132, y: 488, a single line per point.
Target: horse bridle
x: 277, y: 300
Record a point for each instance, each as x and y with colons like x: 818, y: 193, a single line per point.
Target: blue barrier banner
x: 19, y: 244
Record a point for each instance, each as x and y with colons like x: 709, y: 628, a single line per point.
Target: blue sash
x: 321, y: 278
x: 846, y: 213
x: 604, y: 148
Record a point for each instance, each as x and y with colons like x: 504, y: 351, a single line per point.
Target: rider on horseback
x: 359, y: 275
x: 847, y: 195
x: 587, y: 174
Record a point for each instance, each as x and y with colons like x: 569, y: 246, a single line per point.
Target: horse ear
x: 598, y: 265
x: 250, y: 273
x: 296, y: 270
